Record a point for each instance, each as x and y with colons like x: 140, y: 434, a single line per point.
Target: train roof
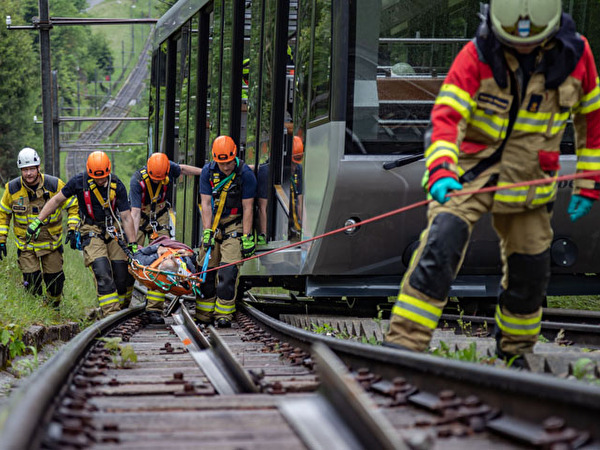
x: 180, y: 13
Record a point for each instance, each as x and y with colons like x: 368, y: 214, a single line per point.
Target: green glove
x: 33, y: 230
x: 262, y: 239
x: 133, y: 247
x: 208, y: 239
x: 248, y: 246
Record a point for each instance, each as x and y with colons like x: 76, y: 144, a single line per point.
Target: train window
x: 399, y: 56
x: 216, y: 72
x: 302, y: 57
x: 253, y: 66
x: 181, y: 134
x: 161, y: 98
x: 153, y: 103
x: 320, y: 61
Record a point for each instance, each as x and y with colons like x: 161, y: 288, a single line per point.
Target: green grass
x: 120, y: 36
x: 584, y: 302
x: 17, y: 306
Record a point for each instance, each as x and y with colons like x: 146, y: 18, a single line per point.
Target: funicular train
x: 355, y: 80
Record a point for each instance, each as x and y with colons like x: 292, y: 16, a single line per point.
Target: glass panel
x: 215, y: 72
x: 190, y: 198
x: 162, y: 80
x: 153, y: 105
x: 253, y: 89
x: 321, y: 61
x: 181, y: 122
x: 226, y: 66
x: 401, y: 54
x: 302, y: 58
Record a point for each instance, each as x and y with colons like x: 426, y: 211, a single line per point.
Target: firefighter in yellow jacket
x: 498, y: 120
x: 24, y: 197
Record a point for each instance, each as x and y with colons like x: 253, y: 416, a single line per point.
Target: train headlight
x: 351, y: 221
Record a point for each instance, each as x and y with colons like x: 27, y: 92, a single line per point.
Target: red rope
x: 413, y: 206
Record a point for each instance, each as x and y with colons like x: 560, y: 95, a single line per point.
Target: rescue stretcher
x: 178, y: 283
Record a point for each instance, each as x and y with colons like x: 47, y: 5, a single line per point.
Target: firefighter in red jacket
x: 498, y: 119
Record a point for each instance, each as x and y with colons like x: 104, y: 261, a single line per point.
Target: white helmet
x: 28, y: 157
x: 523, y: 23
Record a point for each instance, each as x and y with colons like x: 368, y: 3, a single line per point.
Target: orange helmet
x: 98, y: 165
x: 224, y: 149
x: 158, y: 166
x: 297, y: 150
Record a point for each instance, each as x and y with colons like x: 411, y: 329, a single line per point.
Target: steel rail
x: 21, y: 420
x: 583, y: 334
x: 525, y: 396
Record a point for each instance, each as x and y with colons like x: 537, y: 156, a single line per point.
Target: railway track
x: 119, y: 106
x: 266, y: 384
x: 567, y: 336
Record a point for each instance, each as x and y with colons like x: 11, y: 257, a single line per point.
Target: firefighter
x: 227, y: 191
x: 23, y: 199
x: 296, y: 191
x: 101, y: 197
x: 149, y: 210
x: 498, y: 119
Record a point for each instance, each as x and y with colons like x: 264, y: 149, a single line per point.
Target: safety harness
x: 107, y: 204
x: 154, y: 198
x: 294, y: 192
x: 220, y: 189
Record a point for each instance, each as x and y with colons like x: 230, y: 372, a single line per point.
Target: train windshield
x: 400, y: 52
x: 398, y: 60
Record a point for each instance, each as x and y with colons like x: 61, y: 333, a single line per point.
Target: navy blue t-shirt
x: 135, y: 188
x: 79, y: 183
x: 248, y: 182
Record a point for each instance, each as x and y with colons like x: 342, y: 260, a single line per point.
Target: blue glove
x: 441, y: 188
x: 579, y: 207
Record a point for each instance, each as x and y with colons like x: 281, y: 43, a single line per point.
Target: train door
x: 269, y: 126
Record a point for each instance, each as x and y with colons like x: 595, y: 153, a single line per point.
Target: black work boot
x: 223, y: 322
x: 155, y: 318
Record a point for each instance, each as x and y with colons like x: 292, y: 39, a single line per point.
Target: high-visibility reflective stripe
x: 590, y: 101
x: 35, y: 245
x: 560, y: 122
x: 532, y: 122
x: 544, y: 193
x: 205, y: 306
x: 224, y: 309
x: 518, y: 327
x: 73, y: 221
x: 588, y: 159
x: 4, y: 229
x: 5, y: 208
x: 107, y: 299
x: 156, y: 296
x: 122, y: 298
x: 417, y: 311
x: 511, y: 195
x: 457, y: 99
x: 441, y: 148
x: 489, y: 123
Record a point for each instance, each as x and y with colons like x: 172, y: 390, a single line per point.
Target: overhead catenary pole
x: 46, y: 71
x: 55, y: 128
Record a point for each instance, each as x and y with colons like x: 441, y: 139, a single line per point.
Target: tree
x: 19, y: 91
